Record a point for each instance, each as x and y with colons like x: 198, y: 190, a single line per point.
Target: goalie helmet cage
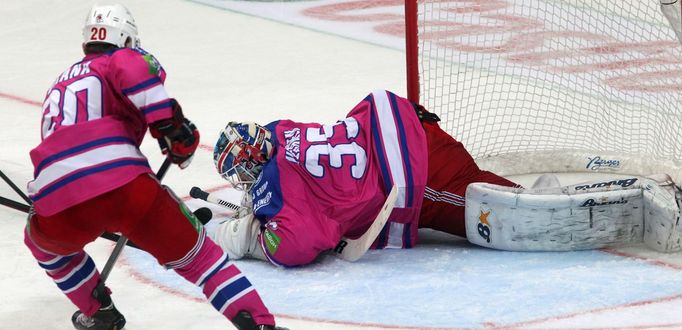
x: 533, y: 86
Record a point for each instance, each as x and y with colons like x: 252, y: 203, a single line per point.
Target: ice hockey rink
x: 266, y: 60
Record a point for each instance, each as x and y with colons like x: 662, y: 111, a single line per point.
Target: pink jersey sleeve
x: 139, y: 76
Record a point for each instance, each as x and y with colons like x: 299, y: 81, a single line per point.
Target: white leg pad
x: 583, y: 216
x: 578, y: 217
x: 239, y: 238
x: 661, y: 215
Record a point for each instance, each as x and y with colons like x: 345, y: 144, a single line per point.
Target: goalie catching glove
x: 177, y: 136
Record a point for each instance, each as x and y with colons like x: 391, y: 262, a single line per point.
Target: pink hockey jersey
x: 94, y: 118
x: 336, y: 177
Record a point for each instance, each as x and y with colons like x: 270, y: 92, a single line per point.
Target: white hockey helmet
x: 112, y: 24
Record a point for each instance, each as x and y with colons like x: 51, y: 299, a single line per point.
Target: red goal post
x: 534, y: 86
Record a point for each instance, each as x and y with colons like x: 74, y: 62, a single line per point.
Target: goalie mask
x: 112, y: 24
x: 240, y: 153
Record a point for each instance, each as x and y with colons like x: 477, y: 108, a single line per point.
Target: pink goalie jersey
x: 326, y: 182
x: 94, y: 119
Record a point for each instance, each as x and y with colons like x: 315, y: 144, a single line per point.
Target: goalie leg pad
x: 239, y: 238
x: 578, y: 217
x: 662, y: 215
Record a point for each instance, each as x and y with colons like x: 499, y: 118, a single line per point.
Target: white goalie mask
x: 240, y: 153
x: 112, y: 24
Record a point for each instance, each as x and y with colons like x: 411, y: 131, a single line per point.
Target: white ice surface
x: 222, y: 66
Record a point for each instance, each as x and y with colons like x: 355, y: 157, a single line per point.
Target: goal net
x: 556, y: 85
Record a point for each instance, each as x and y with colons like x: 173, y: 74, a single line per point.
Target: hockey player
x: 312, y: 184
x: 91, y: 177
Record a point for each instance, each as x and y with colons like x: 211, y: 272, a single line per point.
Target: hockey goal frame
x: 565, y: 160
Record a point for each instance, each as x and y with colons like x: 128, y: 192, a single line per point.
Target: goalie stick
x: 198, y: 193
x: 347, y: 249
x: 353, y: 249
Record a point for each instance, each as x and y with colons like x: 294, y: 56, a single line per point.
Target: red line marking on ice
x: 596, y: 311
x: 148, y: 281
x: 210, y: 190
x: 651, y: 261
x: 19, y: 99
x: 361, y: 324
x: 206, y: 147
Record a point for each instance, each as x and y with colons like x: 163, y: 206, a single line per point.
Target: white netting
x: 510, y: 76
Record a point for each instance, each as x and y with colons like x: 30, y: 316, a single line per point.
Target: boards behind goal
x: 534, y: 86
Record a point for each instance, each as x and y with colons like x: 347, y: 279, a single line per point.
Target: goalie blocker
x: 578, y: 217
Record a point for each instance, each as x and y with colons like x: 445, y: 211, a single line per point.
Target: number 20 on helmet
x: 112, y: 24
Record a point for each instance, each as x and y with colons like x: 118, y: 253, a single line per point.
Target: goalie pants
x: 155, y: 220
x: 451, y: 169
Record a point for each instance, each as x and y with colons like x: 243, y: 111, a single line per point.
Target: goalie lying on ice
x: 310, y: 186
x: 315, y: 187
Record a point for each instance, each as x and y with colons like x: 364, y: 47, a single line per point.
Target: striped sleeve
x: 141, y: 81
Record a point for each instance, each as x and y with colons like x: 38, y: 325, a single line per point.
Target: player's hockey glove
x: 178, y: 137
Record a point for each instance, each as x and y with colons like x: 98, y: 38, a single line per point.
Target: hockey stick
x: 15, y: 205
x: 353, y: 249
x: 122, y: 240
x: 347, y: 249
x: 15, y: 188
x: 198, y: 193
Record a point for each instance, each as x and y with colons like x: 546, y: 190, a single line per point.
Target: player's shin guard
x: 76, y: 275
x: 226, y: 288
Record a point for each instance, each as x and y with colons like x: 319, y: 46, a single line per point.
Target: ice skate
x: 244, y: 321
x: 108, y: 318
